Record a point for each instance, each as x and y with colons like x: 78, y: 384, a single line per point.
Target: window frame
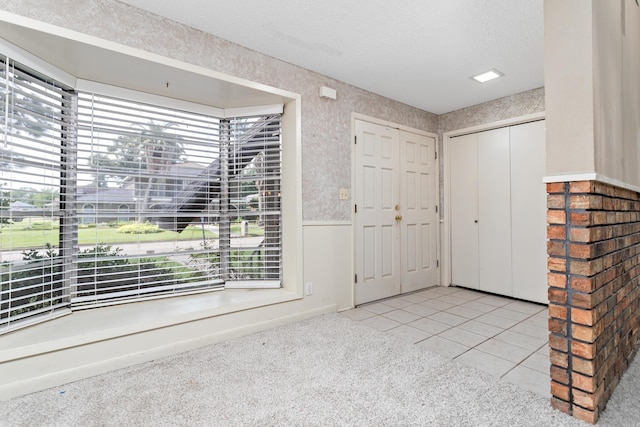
x: 84, y: 84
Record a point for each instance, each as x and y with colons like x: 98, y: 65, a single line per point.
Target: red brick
x: 557, y: 264
x: 559, y: 359
x: 583, y: 366
x: 580, y: 251
x: 579, y: 201
x: 555, y: 187
x: 555, y: 201
x: 559, y: 375
x: 560, y: 391
x: 583, y: 317
x: 583, y: 284
x: 583, y: 382
x: 557, y: 280
x: 583, y: 333
x: 580, y: 218
x: 583, y: 399
x: 557, y: 326
x: 556, y: 217
x: 555, y: 248
x: 579, y: 235
x: 584, y: 350
x: 558, y: 311
x: 586, y: 268
x: 556, y: 232
x: 561, y: 405
x: 558, y: 343
x: 585, y: 415
x: 581, y: 187
x: 558, y: 296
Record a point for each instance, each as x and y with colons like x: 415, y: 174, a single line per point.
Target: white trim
x: 25, y: 58
x: 252, y: 284
x: 445, y: 265
x: 326, y: 223
x: 495, y: 125
x: 590, y: 176
x: 365, y: 118
x: 253, y: 110
x: 147, y: 98
x: 587, y: 176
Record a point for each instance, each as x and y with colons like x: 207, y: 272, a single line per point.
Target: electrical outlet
x: 344, y: 194
x: 308, y: 288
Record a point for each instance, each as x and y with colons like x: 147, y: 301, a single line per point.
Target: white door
x: 494, y: 211
x: 463, y: 205
x: 395, y: 219
x: 498, y: 211
x: 481, y: 211
x: 529, y: 212
x: 418, y: 226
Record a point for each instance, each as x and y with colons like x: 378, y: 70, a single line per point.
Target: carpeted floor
x: 326, y: 371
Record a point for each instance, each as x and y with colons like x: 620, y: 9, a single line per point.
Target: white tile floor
x: 501, y: 336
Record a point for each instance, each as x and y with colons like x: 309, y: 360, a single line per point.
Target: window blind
x: 36, y: 114
x: 105, y: 200
x: 172, y: 201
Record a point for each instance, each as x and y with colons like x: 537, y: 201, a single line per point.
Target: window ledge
x: 88, y: 326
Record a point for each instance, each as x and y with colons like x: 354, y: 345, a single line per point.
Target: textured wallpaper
x: 326, y: 124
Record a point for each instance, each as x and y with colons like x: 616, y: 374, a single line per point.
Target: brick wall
x: 594, y: 292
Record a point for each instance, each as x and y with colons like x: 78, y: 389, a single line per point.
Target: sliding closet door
x: 464, y: 211
x: 494, y: 211
x: 528, y: 212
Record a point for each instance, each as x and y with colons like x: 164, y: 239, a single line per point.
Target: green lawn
x: 35, y: 234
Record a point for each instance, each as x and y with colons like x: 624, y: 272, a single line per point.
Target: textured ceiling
x: 419, y: 52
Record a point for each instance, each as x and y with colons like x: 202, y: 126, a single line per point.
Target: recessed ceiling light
x: 489, y: 75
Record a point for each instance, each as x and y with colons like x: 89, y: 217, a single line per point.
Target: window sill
x: 88, y: 326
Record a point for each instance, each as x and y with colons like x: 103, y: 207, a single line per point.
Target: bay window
x: 122, y: 200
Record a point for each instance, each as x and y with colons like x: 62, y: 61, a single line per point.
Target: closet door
x: 494, y: 211
x: 528, y: 212
x: 464, y: 211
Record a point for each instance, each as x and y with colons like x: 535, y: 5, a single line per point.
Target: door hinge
x: 355, y: 139
x: 356, y: 278
x: 436, y: 155
x: 355, y: 207
x: 437, y: 263
x: 436, y: 208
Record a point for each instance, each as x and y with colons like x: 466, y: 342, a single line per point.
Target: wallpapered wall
x: 326, y: 124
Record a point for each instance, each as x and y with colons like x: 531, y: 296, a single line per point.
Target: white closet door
x: 528, y: 207
x: 464, y: 208
x: 494, y: 211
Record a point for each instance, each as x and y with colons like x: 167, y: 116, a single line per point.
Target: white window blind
x: 36, y: 237
x: 105, y: 200
x: 173, y: 201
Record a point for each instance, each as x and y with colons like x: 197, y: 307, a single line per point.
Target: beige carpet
x: 326, y: 371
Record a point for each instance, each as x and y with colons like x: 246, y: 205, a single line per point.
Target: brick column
x: 594, y: 292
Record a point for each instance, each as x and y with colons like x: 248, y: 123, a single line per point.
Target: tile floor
x: 501, y: 336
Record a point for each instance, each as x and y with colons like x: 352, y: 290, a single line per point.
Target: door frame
x: 373, y: 120
x: 445, y: 264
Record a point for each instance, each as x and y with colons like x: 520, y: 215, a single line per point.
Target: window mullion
x: 68, y: 249
x: 224, y: 221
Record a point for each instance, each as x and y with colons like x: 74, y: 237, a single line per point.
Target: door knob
x: 398, y: 217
